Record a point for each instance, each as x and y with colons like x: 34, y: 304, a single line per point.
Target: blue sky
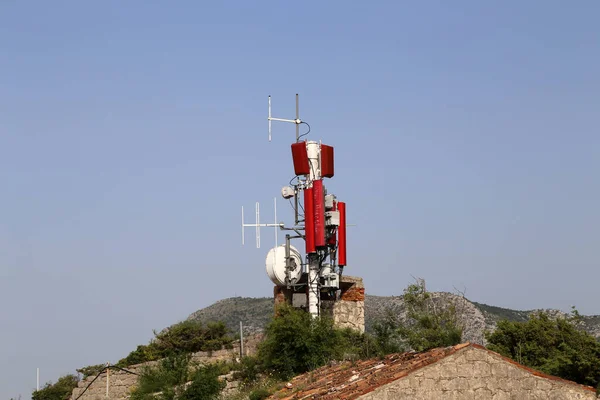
x: 466, y: 137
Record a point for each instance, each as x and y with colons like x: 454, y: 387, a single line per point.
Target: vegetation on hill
x: 552, y: 345
x: 496, y: 314
x: 254, y: 313
x: 60, y: 390
x: 294, y: 342
x: 185, y: 337
x: 176, y: 378
x: 428, y: 325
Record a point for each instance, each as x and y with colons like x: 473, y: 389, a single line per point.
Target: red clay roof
x: 347, y: 380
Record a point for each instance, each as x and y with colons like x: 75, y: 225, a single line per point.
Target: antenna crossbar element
x: 296, y: 121
x: 258, y: 225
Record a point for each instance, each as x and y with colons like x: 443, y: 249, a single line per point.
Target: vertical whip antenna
x: 269, y: 118
x: 296, y: 121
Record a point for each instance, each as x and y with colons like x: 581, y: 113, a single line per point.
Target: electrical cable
x: 100, y: 373
x: 304, y: 134
x: 90, y: 384
x: 123, y: 369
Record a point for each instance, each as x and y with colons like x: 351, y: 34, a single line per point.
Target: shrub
x: 91, y: 370
x: 167, y: 381
x: 552, y: 345
x: 259, y: 394
x: 428, y: 325
x: 205, y: 384
x: 387, y: 337
x: 60, y: 390
x: 185, y: 337
x: 295, y: 342
x: 248, y: 370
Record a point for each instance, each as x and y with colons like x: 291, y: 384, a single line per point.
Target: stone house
x: 467, y: 371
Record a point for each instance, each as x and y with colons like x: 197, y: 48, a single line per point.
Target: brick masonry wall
x: 121, y: 383
x: 476, y: 374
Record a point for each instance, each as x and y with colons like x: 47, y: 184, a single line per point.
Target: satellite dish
x: 275, y: 263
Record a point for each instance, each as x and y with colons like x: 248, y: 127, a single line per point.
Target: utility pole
x: 241, y: 340
x: 107, y: 377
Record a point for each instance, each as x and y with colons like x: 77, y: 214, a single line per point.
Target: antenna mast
x: 317, y: 274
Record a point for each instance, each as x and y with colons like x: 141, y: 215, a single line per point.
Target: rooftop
x: 350, y: 380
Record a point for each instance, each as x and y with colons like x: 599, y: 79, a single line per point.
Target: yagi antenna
x: 296, y: 121
x: 258, y: 225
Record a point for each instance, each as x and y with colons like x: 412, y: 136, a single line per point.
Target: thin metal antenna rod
x: 269, y: 118
x: 257, y: 225
x: 296, y: 121
x: 297, y: 118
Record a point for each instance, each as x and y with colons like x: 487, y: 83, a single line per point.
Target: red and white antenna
x: 322, y: 226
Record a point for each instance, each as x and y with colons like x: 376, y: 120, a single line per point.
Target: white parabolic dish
x: 276, y: 264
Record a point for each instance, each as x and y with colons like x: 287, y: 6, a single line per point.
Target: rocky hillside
x: 476, y: 317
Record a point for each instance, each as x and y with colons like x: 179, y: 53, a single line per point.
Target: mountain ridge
x: 477, y: 318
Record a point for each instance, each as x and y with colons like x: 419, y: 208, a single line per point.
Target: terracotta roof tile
x: 348, y: 380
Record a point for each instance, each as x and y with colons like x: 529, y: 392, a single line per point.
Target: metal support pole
x: 295, y: 208
x: 241, y: 340
x: 288, y: 267
x: 107, y: 378
x: 38, y: 380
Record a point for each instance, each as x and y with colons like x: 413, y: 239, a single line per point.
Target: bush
x: 295, y: 342
x: 60, y: 390
x: 185, y: 337
x: 248, y: 370
x: 552, y: 345
x: 91, y: 370
x: 205, y: 385
x: 387, y: 338
x: 428, y: 325
x: 259, y: 394
x: 167, y: 380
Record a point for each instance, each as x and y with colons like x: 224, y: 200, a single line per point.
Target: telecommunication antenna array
x: 258, y: 225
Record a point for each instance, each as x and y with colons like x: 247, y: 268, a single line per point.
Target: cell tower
x: 320, y: 222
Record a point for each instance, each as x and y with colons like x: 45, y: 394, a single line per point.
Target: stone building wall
x: 475, y: 373
x: 121, y: 383
x: 347, y: 312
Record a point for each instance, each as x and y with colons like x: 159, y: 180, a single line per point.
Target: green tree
x: 295, y: 342
x: 552, y: 345
x: 60, y: 390
x: 429, y: 324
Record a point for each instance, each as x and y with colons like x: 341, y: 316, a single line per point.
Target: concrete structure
x: 467, y: 371
x: 347, y: 312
